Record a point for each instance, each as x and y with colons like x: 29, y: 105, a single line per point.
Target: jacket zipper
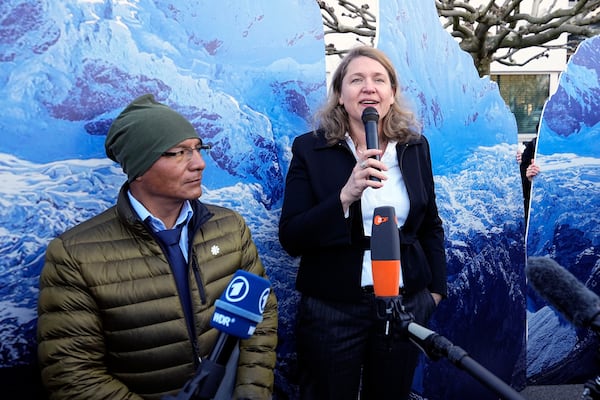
x: 193, y: 264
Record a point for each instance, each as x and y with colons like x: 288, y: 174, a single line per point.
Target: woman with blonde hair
x: 326, y: 219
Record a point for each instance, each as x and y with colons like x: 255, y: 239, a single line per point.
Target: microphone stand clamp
x: 591, y: 389
x: 391, y: 310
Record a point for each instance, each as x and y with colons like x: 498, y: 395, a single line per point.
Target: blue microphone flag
x: 240, y: 307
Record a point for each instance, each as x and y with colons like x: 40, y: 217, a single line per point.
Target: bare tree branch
x: 493, y: 31
x: 484, y: 31
x: 347, y: 18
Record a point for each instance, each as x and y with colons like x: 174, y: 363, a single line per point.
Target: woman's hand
x: 436, y: 298
x: 532, y: 170
x: 359, y: 178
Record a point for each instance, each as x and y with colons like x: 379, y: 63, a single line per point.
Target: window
x: 525, y: 95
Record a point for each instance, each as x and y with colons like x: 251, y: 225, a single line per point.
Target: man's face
x: 176, y: 176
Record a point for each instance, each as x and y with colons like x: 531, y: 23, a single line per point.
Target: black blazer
x: 313, y: 226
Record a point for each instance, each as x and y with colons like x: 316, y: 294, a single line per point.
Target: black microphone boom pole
x: 205, y: 383
x: 436, y: 346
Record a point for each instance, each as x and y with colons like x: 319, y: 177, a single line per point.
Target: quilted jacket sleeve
x: 257, y: 354
x: 70, y: 338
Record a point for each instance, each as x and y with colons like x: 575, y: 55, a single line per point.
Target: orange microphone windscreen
x: 385, y: 252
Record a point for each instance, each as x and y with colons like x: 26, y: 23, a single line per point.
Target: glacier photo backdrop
x: 473, y: 140
x: 249, y: 75
x: 565, y: 223
x: 247, y: 79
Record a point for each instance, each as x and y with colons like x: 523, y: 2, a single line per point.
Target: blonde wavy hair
x: 398, y: 124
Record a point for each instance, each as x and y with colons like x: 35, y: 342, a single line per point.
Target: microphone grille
x: 370, y: 114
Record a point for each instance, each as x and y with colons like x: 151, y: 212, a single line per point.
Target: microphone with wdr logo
x: 241, y: 305
x: 237, y: 312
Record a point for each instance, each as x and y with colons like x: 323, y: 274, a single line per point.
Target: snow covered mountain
x: 565, y: 224
x: 249, y: 80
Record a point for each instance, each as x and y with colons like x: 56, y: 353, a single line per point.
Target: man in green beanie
x: 122, y: 313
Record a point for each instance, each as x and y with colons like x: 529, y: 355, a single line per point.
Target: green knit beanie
x: 142, y: 132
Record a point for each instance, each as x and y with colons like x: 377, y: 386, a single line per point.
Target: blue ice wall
x: 248, y: 75
x: 473, y: 138
x: 564, y: 222
x: 249, y: 79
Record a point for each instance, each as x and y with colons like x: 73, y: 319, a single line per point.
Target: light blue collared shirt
x: 157, y: 225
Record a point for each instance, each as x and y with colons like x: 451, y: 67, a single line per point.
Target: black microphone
x: 370, y: 118
x: 564, y: 292
x: 237, y: 312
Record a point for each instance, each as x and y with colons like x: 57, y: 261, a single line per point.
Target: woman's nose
x: 368, y: 86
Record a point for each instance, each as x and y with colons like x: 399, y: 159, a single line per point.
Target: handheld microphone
x: 564, y: 292
x: 370, y: 118
x: 385, y: 252
x: 239, y: 309
x: 237, y: 312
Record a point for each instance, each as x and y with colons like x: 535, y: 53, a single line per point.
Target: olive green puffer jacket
x: 111, y: 325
